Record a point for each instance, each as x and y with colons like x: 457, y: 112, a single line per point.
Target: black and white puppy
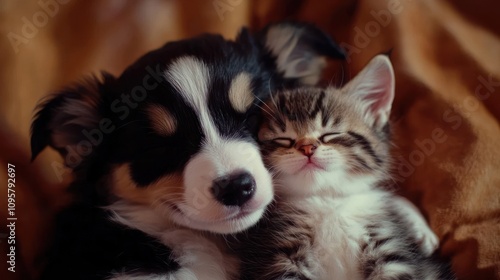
x: 163, y: 155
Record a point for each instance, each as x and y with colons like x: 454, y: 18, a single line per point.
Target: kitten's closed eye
x: 283, y: 142
x: 327, y: 137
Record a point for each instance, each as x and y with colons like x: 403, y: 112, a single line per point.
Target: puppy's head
x: 172, y: 135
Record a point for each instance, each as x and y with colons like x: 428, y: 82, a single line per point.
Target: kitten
x: 334, y: 217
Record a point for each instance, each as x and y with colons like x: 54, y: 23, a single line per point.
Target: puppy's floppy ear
x: 65, y: 121
x: 299, y: 50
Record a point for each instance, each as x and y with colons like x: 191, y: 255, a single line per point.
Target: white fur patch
x: 199, y: 257
x: 339, y: 231
x: 395, y: 270
x: 240, y: 92
x: 190, y: 77
x: 162, y: 121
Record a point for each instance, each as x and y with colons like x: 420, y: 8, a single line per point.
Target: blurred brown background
x: 447, y: 60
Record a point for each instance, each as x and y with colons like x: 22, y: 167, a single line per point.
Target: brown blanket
x: 447, y: 60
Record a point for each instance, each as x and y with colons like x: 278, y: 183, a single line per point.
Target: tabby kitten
x: 333, y: 218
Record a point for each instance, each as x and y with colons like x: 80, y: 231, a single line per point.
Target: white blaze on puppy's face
x: 190, y: 77
x: 240, y: 92
x: 218, y: 156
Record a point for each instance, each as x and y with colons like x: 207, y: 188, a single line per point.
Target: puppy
x: 163, y: 156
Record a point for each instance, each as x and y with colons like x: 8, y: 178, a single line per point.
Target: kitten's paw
x: 423, y: 234
x: 426, y: 239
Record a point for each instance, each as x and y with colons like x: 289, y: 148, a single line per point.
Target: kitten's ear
x: 299, y: 50
x: 374, y: 87
x: 67, y: 122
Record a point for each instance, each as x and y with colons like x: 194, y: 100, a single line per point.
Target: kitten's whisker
x: 271, y: 96
x: 343, y: 74
x: 268, y: 112
x: 265, y: 104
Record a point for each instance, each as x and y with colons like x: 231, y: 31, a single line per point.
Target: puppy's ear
x: 299, y: 50
x: 66, y: 122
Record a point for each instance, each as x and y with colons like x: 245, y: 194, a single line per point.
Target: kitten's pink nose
x: 307, y: 150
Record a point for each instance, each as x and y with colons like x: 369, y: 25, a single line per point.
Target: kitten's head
x: 336, y: 140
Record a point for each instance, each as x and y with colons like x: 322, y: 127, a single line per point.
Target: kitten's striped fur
x: 333, y: 218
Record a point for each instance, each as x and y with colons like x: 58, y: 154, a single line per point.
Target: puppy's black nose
x: 234, y: 189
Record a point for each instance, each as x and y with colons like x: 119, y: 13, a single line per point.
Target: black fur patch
x: 89, y: 246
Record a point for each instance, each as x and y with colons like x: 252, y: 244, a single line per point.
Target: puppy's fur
x: 151, y: 148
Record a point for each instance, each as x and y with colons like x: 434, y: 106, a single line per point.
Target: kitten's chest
x: 340, y: 226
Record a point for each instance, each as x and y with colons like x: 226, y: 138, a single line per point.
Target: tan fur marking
x: 169, y: 188
x: 240, y: 92
x: 162, y: 120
